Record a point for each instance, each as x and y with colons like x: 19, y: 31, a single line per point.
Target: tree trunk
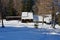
x: 43, y: 20
x: 53, y: 15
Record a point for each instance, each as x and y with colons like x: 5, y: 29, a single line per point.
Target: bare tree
x: 54, y: 10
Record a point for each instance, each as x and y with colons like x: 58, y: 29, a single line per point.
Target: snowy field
x: 24, y: 33
x: 15, y: 30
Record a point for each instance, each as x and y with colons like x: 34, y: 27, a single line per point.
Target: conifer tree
x: 27, y: 5
x: 10, y: 8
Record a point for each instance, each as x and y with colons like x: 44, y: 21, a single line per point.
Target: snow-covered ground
x: 24, y: 33
x: 16, y: 23
x: 16, y: 30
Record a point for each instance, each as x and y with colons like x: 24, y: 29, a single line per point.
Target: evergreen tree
x: 27, y: 5
x: 10, y: 8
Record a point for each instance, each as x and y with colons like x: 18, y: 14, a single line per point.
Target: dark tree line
x: 27, y: 5
x: 8, y: 10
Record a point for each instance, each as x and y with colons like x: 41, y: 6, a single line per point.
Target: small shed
x: 27, y: 17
